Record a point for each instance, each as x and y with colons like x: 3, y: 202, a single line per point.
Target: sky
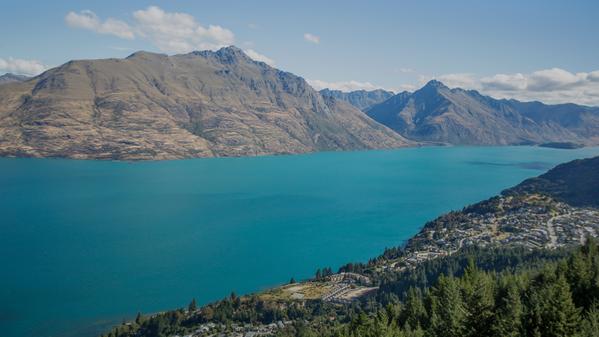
x: 528, y: 50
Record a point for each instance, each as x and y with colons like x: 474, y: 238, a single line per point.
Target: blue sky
x: 544, y: 50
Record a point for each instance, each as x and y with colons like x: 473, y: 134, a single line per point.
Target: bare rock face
x: 153, y: 106
x: 436, y: 113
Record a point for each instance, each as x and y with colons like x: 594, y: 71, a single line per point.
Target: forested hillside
x: 576, y: 183
x: 558, y: 298
x: 478, y: 292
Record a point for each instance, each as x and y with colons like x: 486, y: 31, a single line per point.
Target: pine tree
x: 550, y: 309
x: 417, y: 332
x: 447, y: 309
x: 583, y: 274
x: 414, y: 313
x: 509, y: 312
x: 563, y: 316
x: 477, y: 288
x: 193, y: 306
x: 590, y: 325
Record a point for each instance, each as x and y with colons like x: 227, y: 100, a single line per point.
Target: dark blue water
x: 87, y: 243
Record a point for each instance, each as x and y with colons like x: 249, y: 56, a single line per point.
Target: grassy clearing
x: 297, y: 291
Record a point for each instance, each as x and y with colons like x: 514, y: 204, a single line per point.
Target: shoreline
x: 300, y: 154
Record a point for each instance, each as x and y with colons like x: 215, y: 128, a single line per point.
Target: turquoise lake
x: 84, y: 244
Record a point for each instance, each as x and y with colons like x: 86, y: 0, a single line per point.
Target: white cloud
x: 168, y: 31
x: 343, y: 86
x: 20, y: 66
x: 593, y: 76
x: 504, y: 82
x: 87, y: 19
x: 551, y: 86
x: 179, y: 32
x: 462, y: 80
x: 554, y: 78
x: 312, y: 38
x: 259, y: 57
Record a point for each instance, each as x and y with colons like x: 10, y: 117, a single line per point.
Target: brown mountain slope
x: 153, y: 106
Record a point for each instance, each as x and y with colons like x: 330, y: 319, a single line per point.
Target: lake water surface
x: 84, y: 244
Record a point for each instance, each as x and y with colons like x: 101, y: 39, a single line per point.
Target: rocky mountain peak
x: 145, y: 54
x: 434, y: 84
x: 225, y: 55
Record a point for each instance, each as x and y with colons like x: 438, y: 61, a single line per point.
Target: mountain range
x: 436, y: 113
x: 154, y: 106
x: 11, y: 78
x: 361, y: 99
x: 223, y: 103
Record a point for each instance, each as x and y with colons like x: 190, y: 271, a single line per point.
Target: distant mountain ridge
x: 154, y: 106
x: 436, y: 113
x: 361, y: 99
x: 11, y: 78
